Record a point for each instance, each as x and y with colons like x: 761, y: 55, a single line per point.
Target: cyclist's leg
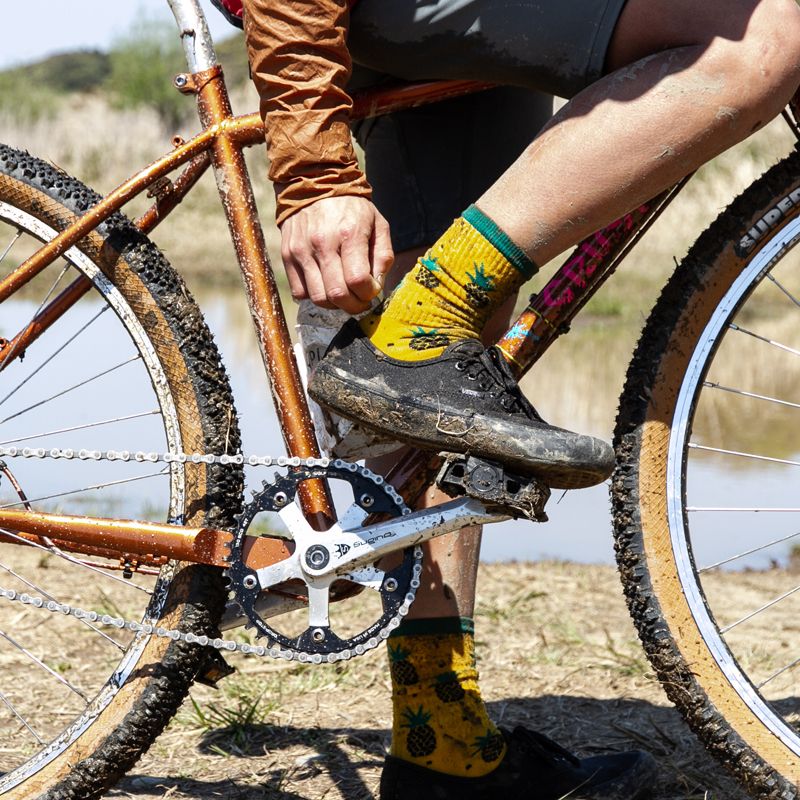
x: 710, y: 75
x: 423, y: 174
x: 685, y: 81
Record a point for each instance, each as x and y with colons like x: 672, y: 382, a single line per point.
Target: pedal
x: 213, y: 669
x: 493, y: 485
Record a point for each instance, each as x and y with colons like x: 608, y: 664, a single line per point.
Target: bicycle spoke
x: 61, y: 554
x: 38, y: 310
x: 778, y: 673
x: 59, y: 350
x: 694, y: 446
x: 72, y: 388
x: 90, y: 488
x: 10, y: 706
x: 50, y: 291
x: 785, y: 347
x: 750, y: 552
x: 80, y: 427
x: 49, y: 596
x: 743, y: 393
x: 10, y: 245
x: 60, y: 678
x: 780, y: 286
x: 763, y: 608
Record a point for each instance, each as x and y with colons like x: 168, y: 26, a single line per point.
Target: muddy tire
x: 178, y: 370
x: 705, y: 391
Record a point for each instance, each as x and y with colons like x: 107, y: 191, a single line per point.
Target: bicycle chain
x: 175, y: 635
x: 167, y: 458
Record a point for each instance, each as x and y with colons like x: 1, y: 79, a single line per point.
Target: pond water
x: 579, y: 528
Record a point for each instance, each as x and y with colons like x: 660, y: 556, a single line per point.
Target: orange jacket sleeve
x: 301, y: 65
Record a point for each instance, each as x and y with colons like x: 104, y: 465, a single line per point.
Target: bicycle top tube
x: 198, y: 46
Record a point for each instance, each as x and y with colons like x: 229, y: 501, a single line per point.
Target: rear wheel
x: 132, y: 367
x: 708, y: 449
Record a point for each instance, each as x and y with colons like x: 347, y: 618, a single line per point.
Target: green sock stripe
x: 500, y: 241
x: 435, y: 626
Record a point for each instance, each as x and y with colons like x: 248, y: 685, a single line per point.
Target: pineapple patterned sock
x: 451, y: 292
x: 440, y: 720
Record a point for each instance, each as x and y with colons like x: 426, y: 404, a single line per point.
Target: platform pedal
x: 493, y: 485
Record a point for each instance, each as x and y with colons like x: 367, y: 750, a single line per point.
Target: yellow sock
x: 451, y: 292
x: 440, y: 720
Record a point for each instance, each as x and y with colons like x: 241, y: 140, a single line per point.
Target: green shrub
x: 143, y: 64
x: 25, y: 101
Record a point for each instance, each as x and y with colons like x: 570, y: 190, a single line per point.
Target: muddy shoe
x: 534, y: 768
x: 464, y: 401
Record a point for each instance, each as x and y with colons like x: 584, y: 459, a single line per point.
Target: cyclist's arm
x: 335, y: 245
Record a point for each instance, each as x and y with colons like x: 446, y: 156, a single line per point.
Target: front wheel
x: 128, y: 366
x: 708, y: 453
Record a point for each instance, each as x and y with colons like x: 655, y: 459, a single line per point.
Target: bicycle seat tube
x: 236, y: 193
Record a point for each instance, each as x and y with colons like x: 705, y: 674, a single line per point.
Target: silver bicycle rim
x: 760, y: 265
x: 129, y: 660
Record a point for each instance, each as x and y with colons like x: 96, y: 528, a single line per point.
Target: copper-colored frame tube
x: 147, y: 539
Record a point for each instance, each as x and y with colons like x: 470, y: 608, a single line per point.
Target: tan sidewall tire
x: 685, y: 665
x: 140, y: 709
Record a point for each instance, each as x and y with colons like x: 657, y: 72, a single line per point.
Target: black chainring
x: 371, y: 495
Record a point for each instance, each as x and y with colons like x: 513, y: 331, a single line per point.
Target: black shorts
x: 426, y: 165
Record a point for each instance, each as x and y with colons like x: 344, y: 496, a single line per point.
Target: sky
x: 36, y: 28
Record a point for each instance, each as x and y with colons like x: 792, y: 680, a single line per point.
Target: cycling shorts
x: 556, y: 46
x: 427, y: 164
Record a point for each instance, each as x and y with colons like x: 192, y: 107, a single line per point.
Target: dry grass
x: 557, y: 652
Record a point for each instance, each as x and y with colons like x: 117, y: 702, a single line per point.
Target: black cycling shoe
x: 464, y: 401
x: 534, y: 768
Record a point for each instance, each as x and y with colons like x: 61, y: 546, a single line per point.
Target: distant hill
x: 135, y: 72
x: 80, y: 71
x: 88, y: 70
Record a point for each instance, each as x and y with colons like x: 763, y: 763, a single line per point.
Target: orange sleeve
x: 301, y: 65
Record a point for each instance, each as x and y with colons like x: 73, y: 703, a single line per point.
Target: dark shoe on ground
x: 534, y: 768
x: 464, y: 401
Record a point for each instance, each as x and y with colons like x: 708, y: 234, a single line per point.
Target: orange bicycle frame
x: 220, y: 144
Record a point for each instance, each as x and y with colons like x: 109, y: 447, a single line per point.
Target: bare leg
x: 687, y: 80
x: 450, y: 566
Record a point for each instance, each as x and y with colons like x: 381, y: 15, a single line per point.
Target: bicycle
x: 154, y: 632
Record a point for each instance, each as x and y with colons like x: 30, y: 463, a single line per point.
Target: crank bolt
x: 318, y: 635
x: 250, y: 582
x: 367, y: 500
x: 280, y: 499
x: 390, y: 584
x: 317, y: 556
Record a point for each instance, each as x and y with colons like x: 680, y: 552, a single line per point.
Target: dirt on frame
x: 557, y: 652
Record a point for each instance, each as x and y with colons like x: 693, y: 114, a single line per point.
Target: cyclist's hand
x: 336, y: 252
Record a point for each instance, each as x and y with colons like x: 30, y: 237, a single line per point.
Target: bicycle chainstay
x: 217, y: 643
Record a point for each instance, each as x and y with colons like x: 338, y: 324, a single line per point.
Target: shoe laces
x: 492, y: 374
x: 537, y: 744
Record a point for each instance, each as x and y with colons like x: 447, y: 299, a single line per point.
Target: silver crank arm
x: 335, y: 552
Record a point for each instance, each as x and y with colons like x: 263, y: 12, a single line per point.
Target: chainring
x: 397, y: 587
